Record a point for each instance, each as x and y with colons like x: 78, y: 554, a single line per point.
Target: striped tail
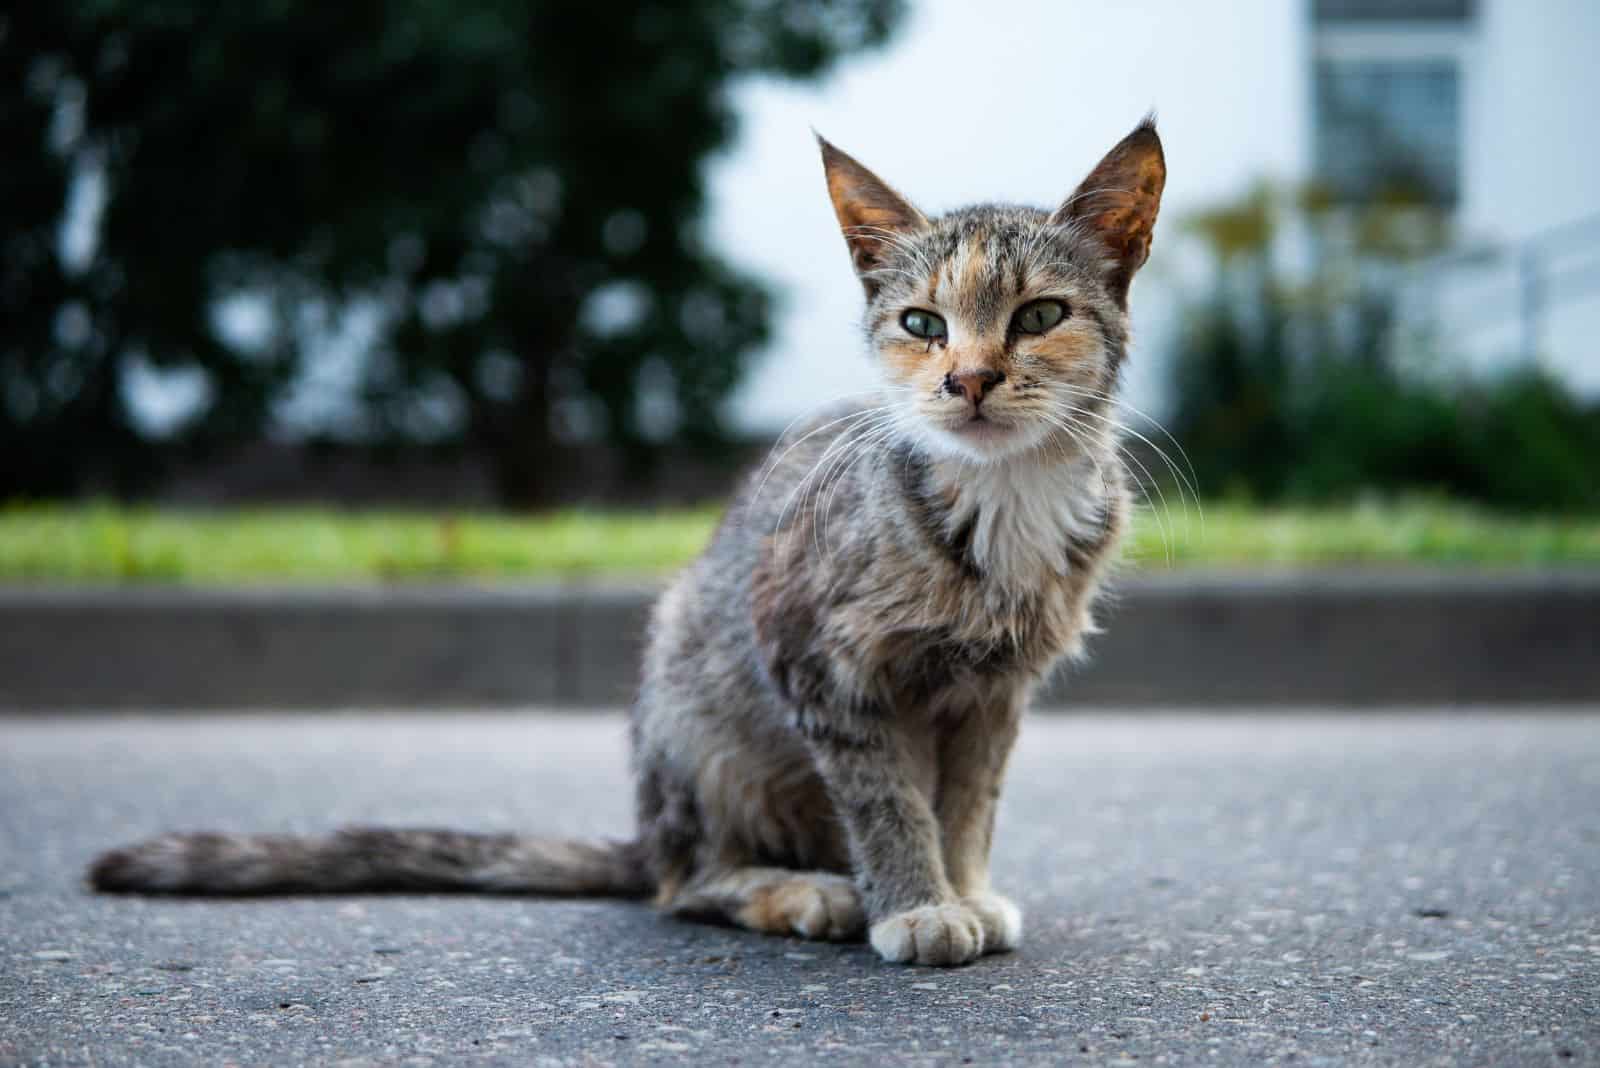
x: 361, y: 859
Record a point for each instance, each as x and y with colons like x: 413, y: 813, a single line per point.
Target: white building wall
x: 1532, y: 166
x: 1532, y: 157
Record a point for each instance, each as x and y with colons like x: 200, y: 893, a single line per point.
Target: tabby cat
x: 831, y: 691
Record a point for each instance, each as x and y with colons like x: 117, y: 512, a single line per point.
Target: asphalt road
x: 1303, y: 889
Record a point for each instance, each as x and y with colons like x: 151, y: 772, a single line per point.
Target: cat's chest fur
x: 1018, y: 519
x: 1023, y: 544
x: 954, y: 579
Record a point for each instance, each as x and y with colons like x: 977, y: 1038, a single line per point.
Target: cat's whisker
x: 801, y: 487
x: 774, y: 464
x: 859, y: 423
x: 1165, y: 529
x: 872, y: 442
x: 837, y: 398
x: 1164, y: 526
x: 830, y: 452
x: 1178, y: 485
x: 890, y: 237
x: 1086, y: 450
x: 1182, y: 482
x: 864, y: 446
x: 1117, y: 427
x: 881, y: 272
x: 846, y: 446
x: 894, y: 240
x: 1193, y: 481
x: 1083, y: 194
x: 861, y: 446
x: 1147, y: 482
x: 1040, y: 241
x: 1122, y: 402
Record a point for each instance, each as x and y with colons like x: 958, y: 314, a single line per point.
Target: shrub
x: 1295, y: 390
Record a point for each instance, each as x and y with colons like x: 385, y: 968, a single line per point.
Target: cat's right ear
x: 872, y: 216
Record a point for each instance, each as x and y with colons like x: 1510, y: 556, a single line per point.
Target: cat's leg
x: 972, y: 764
x: 812, y: 904
x: 871, y: 772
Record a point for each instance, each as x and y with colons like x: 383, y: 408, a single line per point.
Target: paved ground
x: 1226, y: 890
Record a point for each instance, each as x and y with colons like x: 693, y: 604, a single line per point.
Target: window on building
x: 1386, y: 88
x: 1390, y: 126
x: 1390, y: 10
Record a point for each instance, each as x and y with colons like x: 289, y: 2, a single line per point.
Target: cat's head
x: 1001, y: 328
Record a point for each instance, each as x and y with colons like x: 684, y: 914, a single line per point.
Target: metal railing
x: 1535, y: 273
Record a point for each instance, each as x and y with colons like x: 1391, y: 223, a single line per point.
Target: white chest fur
x: 1023, y: 512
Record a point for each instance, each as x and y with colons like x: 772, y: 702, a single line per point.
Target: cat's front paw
x: 939, y: 935
x: 811, y: 905
x: 1001, y: 919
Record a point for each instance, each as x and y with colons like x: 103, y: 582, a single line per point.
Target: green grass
x: 310, y: 546
x: 1417, y: 533
x: 101, y: 543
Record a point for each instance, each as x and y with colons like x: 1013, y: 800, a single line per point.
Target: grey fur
x: 831, y: 691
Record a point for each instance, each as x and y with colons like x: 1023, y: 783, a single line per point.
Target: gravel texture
x: 1222, y: 889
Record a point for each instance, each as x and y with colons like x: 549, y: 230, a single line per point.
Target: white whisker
x: 843, y: 441
x: 1182, y: 481
x: 872, y: 442
x: 773, y: 464
x: 1194, y: 484
x: 1166, y: 507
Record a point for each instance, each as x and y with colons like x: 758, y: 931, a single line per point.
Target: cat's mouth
x: 982, y: 434
x: 982, y: 428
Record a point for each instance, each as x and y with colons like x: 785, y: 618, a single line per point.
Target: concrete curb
x: 1346, y: 638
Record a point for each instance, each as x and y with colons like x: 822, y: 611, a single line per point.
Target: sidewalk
x: 1306, y: 889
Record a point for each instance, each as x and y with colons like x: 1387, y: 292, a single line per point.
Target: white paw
x: 1002, y: 921
x: 940, y: 935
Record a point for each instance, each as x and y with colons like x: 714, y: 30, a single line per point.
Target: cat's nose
x: 974, y: 384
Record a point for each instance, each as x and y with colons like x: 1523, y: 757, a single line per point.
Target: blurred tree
x: 508, y: 190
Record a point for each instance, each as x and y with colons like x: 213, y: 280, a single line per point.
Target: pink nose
x: 974, y: 385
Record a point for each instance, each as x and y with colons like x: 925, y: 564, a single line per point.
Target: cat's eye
x: 1039, y: 316
x: 923, y: 324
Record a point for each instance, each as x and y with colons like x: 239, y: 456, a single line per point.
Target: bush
x: 1293, y: 392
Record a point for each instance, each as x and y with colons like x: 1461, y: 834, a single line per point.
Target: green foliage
x: 1293, y: 391
x: 478, y: 175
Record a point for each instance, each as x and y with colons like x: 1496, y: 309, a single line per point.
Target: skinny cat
x: 832, y: 690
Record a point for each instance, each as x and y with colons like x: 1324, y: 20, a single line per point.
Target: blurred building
x: 1481, y: 106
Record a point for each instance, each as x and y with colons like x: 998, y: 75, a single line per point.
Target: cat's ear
x: 1118, y: 203
x: 872, y: 216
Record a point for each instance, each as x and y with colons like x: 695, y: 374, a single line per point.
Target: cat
x: 831, y: 691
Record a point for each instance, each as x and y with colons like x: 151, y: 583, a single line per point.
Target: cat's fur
x: 831, y: 691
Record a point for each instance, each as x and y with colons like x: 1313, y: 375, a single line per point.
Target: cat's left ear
x: 872, y: 215
x: 1118, y: 203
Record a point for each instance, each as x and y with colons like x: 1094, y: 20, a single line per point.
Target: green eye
x: 920, y: 323
x: 1039, y: 316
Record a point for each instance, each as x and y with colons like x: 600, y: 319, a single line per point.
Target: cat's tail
x: 361, y: 859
